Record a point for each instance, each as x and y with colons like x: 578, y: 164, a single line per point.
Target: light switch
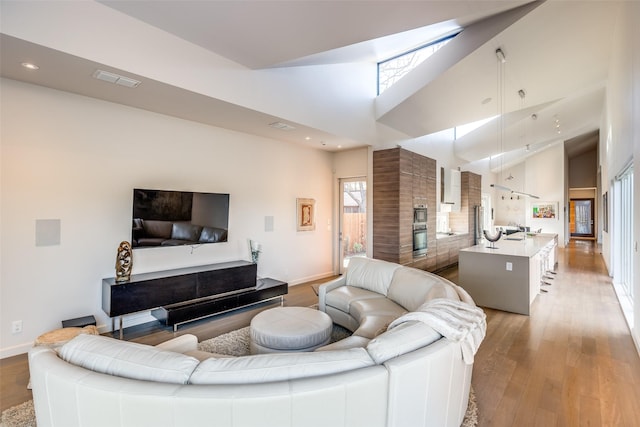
x: 509, y: 266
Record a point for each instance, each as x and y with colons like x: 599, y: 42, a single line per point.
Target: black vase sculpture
x: 492, y: 238
x: 124, y: 262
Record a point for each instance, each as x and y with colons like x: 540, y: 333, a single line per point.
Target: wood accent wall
x: 470, y: 196
x: 401, y: 179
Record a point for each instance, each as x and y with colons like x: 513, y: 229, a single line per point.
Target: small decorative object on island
x: 254, y: 248
x: 492, y: 238
x: 124, y: 262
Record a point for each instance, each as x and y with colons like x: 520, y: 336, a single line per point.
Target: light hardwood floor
x: 571, y: 363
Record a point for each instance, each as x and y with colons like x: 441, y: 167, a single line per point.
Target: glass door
x: 581, y: 213
x: 622, y: 243
x: 352, y: 234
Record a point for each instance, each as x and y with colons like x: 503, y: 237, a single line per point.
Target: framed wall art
x: 305, y: 214
x: 544, y: 210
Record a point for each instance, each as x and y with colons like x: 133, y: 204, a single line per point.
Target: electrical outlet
x: 16, y: 326
x: 509, y: 266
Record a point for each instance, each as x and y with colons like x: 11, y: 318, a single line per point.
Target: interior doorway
x: 352, y: 233
x: 581, y: 218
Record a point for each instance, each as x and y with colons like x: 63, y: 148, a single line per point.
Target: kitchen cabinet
x: 402, y: 179
x: 450, y: 189
x: 448, y: 248
x: 508, y: 277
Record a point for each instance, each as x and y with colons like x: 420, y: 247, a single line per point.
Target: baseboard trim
x: 15, y: 350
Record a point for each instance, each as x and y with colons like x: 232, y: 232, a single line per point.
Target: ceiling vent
x: 115, y: 78
x: 281, y: 126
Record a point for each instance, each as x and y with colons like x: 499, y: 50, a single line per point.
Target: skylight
x: 462, y: 130
x: 393, y: 69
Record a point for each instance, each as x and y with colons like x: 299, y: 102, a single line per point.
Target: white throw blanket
x: 455, y: 320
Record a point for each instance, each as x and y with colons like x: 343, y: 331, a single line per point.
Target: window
x: 623, y: 237
x: 622, y: 242
x: 393, y: 69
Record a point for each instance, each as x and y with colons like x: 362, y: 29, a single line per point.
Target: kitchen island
x: 508, y: 276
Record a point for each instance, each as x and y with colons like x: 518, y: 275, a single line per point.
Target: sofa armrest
x: 328, y: 287
x: 181, y: 344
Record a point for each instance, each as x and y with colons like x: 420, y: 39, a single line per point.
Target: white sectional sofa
x: 409, y: 375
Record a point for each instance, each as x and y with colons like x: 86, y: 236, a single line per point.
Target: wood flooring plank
x: 608, y: 377
x: 629, y: 402
x: 551, y: 397
x: 544, y: 418
x: 590, y: 411
x: 569, y: 414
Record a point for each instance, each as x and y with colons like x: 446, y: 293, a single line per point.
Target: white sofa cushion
x: 127, y: 359
x: 181, y: 344
x: 353, y: 341
x: 411, y: 288
x: 264, y: 368
x: 342, y: 297
x: 402, y: 339
x: 375, y: 306
x: 373, y: 325
x: 371, y: 274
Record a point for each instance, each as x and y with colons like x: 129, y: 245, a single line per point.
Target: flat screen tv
x: 164, y: 218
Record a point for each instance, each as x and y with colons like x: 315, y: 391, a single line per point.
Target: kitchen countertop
x: 517, y: 244
x: 448, y: 235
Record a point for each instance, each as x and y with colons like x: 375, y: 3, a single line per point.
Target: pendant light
x: 502, y: 60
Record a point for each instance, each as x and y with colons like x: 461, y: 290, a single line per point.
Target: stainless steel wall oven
x: 419, y: 230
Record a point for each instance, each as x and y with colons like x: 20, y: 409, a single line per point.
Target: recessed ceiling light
x: 30, y: 66
x: 339, y: 146
x: 307, y: 138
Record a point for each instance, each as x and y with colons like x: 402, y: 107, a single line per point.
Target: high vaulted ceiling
x: 557, y: 52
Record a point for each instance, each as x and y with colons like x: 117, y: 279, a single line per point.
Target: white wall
x: 548, y: 185
x: 77, y: 159
x: 350, y: 164
x: 632, y: 19
x: 621, y: 132
x: 582, y: 170
x: 440, y: 147
x: 546, y: 178
x: 509, y: 208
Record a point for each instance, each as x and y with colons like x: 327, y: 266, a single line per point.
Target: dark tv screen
x: 164, y: 218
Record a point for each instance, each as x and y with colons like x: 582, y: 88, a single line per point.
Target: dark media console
x: 186, y: 294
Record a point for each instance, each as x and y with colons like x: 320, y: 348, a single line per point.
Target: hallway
x: 571, y: 363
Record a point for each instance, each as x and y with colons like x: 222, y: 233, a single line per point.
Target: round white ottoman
x: 287, y: 329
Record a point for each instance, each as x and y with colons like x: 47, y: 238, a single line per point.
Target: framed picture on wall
x: 305, y: 214
x: 544, y: 210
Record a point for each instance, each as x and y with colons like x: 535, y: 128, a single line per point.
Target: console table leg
x: 121, y: 331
